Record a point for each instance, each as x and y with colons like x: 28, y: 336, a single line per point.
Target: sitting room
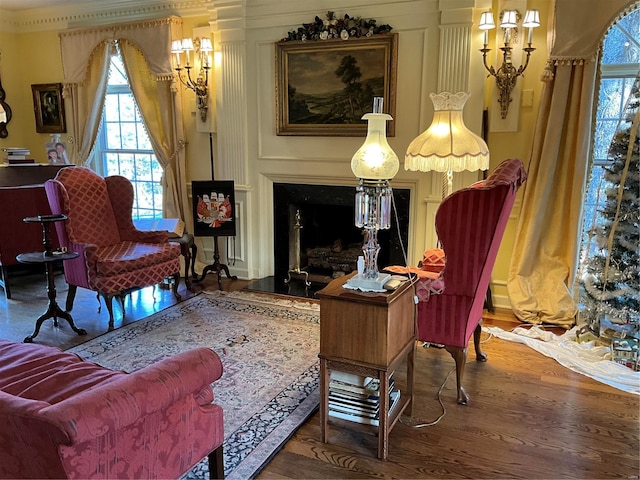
x: 327, y: 297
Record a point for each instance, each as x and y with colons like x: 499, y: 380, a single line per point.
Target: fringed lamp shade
x: 447, y: 145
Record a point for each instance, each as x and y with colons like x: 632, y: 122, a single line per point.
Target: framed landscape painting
x: 324, y: 87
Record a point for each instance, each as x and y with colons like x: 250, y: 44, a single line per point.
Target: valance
x: 152, y: 37
x: 580, y: 25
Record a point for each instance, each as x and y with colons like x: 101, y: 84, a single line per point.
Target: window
x: 123, y: 146
x: 619, y: 66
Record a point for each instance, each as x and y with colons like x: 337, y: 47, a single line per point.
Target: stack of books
x: 18, y: 156
x: 357, y: 399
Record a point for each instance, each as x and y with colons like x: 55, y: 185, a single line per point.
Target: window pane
x: 129, y: 137
x: 114, y: 140
x: 128, y: 108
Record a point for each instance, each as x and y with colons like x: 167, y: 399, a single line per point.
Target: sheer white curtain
x: 545, y: 257
x: 146, y: 49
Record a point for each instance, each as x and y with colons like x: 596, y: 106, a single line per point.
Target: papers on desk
x: 174, y: 226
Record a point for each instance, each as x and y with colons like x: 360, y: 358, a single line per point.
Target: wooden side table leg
x: 410, y: 378
x: 324, y: 400
x: 383, y: 427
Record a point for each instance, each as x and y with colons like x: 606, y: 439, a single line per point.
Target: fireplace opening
x: 315, y: 235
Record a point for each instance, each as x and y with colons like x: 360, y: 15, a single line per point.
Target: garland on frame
x: 333, y: 27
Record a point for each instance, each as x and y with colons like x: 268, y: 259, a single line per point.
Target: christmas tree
x: 611, y: 277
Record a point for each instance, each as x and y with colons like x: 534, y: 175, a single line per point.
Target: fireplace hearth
x: 329, y: 242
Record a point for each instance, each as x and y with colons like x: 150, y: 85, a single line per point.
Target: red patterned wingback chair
x: 64, y: 417
x: 453, y: 281
x: 114, y: 255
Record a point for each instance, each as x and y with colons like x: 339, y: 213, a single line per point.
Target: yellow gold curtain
x: 545, y: 257
x: 158, y: 108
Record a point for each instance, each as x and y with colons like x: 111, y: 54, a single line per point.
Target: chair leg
x: 174, y: 285
x: 108, y: 301
x: 460, y: 356
x: 480, y: 355
x: 216, y: 464
x: 71, y: 296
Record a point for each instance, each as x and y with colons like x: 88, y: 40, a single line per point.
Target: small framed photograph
x: 213, y: 208
x: 324, y: 87
x: 48, y: 106
x: 57, y: 153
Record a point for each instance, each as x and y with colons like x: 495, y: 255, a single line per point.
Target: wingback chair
x: 114, y: 257
x: 453, y: 281
x: 65, y: 417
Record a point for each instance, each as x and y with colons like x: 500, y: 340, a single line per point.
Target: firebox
x: 314, y: 232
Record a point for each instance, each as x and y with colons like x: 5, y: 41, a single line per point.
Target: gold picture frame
x: 48, y: 107
x: 324, y: 87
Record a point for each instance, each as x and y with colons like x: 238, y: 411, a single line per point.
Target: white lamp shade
x: 486, y: 21
x: 531, y: 19
x: 375, y: 160
x: 509, y: 19
x: 176, y: 46
x: 447, y: 145
x: 205, y: 45
x: 187, y: 44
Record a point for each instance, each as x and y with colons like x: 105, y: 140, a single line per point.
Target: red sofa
x: 63, y: 417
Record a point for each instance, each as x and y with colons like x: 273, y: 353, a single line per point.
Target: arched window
x: 609, y: 259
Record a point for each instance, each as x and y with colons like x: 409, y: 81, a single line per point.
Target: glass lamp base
x: 358, y: 282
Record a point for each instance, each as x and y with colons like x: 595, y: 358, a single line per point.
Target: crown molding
x: 82, y: 15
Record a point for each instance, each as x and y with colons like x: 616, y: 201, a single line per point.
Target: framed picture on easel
x: 213, y: 205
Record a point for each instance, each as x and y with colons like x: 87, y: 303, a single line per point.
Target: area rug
x: 269, y: 350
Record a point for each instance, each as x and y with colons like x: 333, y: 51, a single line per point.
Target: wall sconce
x: 506, y: 75
x: 374, y: 164
x: 201, y: 48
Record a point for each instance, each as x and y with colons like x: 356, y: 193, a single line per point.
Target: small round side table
x: 48, y: 257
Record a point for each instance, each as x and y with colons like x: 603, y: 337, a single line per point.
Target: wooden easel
x: 216, y: 267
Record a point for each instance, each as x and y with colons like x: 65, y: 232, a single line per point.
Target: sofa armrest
x: 121, y: 402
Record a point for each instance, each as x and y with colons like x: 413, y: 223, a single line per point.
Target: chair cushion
x: 126, y: 257
x: 47, y: 374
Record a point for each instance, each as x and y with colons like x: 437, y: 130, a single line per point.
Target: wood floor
x: 528, y: 417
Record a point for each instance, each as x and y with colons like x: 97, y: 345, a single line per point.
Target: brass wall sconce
x: 201, y: 47
x: 506, y: 75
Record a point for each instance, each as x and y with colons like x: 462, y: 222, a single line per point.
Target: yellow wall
x: 27, y: 58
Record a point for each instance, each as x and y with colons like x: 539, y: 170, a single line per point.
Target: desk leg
x: 324, y: 400
x: 383, y: 423
x: 53, y: 311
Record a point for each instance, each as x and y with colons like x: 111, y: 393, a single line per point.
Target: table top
x: 40, y: 257
x: 336, y: 291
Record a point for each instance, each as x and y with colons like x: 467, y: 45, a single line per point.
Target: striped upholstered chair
x: 470, y: 224
x: 452, y: 282
x: 114, y: 257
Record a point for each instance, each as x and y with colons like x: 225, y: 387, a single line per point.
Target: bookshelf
x: 365, y: 338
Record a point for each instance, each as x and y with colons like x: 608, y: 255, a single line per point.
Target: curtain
x: 87, y: 101
x: 148, y: 66
x: 545, y: 256
x: 156, y: 101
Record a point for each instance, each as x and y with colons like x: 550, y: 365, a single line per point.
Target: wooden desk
x: 367, y: 334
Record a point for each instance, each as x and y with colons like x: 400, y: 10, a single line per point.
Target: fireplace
x: 329, y: 241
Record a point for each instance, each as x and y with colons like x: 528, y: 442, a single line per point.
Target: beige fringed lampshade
x: 447, y: 145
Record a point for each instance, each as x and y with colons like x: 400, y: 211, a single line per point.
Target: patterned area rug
x: 269, y: 349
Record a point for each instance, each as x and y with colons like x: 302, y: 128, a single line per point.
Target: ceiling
x: 29, y: 4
